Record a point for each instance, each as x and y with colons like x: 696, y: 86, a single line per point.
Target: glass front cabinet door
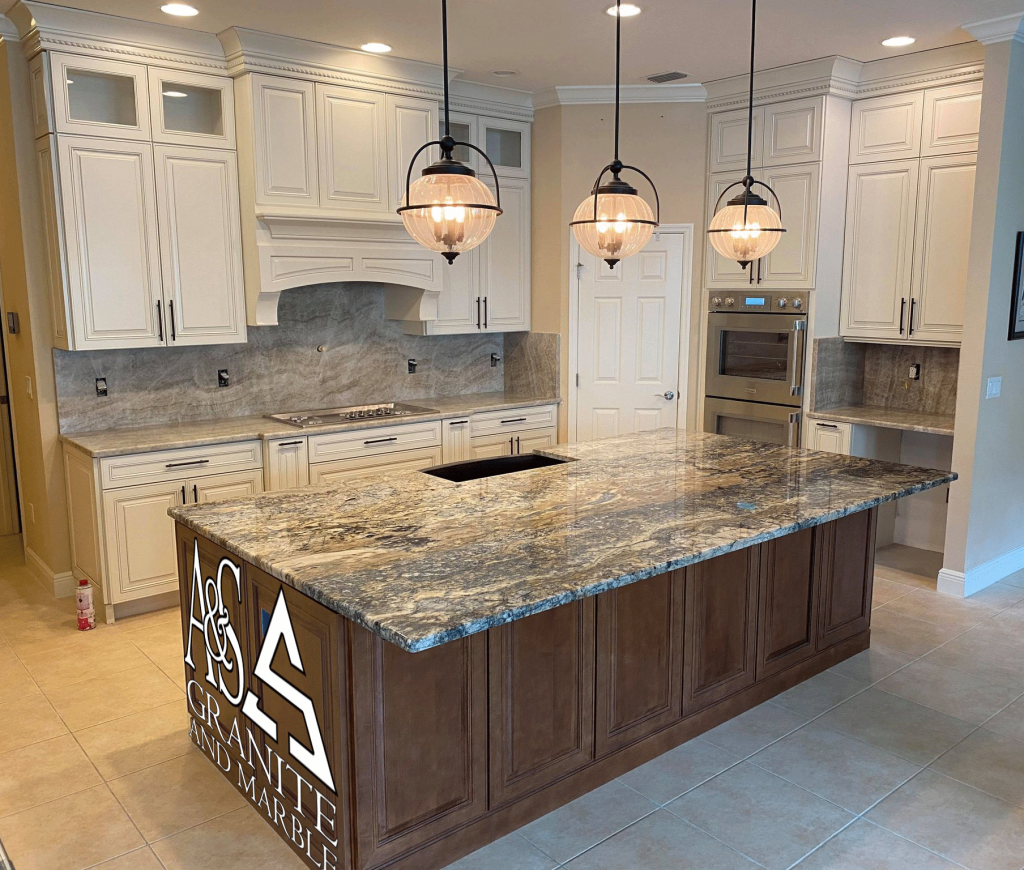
x: 191, y: 109
x: 93, y: 96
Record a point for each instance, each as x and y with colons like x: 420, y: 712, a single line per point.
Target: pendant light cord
x: 444, y: 49
x: 750, y: 102
x: 618, y: 64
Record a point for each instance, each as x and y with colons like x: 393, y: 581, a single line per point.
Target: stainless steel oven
x: 756, y: 347
x: 756, y: 421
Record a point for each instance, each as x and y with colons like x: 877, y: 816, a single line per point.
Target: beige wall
x: 570, y: 145
x: 23, y: 283
x: 987, y: 504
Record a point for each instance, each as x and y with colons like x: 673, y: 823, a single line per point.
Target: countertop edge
x: 837, y: 415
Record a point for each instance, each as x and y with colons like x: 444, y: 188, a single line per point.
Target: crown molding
x: 491, y: 100
x: 593, y: 95
x: 1006, y: 28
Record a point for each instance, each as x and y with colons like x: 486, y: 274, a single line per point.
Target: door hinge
x: 577, y: 380
x: 579, y: 271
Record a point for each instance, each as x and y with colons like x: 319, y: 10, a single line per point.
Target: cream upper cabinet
x: 952, y: 119
x: 728, y: 140
x: 112, y: 253
x: 505, y: 259
x: 790, y: 266
x: 942, y: 242
x: 411, y: 124
x: 507, y: 145
x: 792, y: 132
x: 197, y: 202
x: 95, y: 96
x: 886, y: 128
x: 460, y: 306
x: 878, y: 255
x: 287, y: 464
x: 351, y: 143
x: 284, y: 129
x: 191, y: 109
x: 721, y: 272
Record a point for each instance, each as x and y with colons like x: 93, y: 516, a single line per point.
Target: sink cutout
x: 474, y: 469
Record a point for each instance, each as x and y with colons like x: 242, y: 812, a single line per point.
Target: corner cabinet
x: 139, y: 185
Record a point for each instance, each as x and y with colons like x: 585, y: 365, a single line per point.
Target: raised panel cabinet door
x: 284, y: 122
x: 141, y: 557
x: 721, y: 272
x: 234, y: 484
x: 721, y: 628
x: 287, y: 464
x: 108, y: 205
x: 200, y: 245
x: 945, y: 205
x: 886, y: 128
x: 94, y: 96
x: 537, y: 439
x: 411, y: 123
x: 727, y: 145
x: 639, y: 675
x: 830, y: 437
x: 409, y: 791
x: 847, y: 561
x: 455, y: 440
x: 952, y: 119
x: 541, y: 690
x: 792, y: 132
x: 403, y: 460
x: 352, y: 136
x: 459, y: 307
x: 878, y: 256
x: 506, y: 262
x: 788, y: 618
x: 488, y: 446
x: 791, y: 265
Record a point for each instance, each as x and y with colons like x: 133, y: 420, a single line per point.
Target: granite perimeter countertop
x: 196, y: 433
x: 421, y: 561
x: 889, y: 418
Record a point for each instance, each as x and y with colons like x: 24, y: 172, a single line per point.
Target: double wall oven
x: 755, y: 365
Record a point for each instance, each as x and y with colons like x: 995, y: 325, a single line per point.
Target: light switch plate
x: 995, y: 388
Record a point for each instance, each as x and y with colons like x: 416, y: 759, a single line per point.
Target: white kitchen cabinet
x: 537, y: 439
x: 112, y: 259
x: 505, y: 262
x: 507, y: 144
x: 197, y: 202
x: 95, y: 96
x: 878, y: 254
x: 945, y: 204
x: 287, y: 464
x: 727, y: 144
x: 285, y: 132
x: 191, y: 109
x: 886, y: 128
x: 460, y: 304
x: 490, y: 446
x: 411, y: 123
x: 829, y: 437
x: 402, y: 460
x: 352, y: 149
x: 463, y: 128
x: 512, y: 443
x: 455, y: 440
x: 216, y: 487
x: 721, y: 272
x: 791, y: 265
x: 792, y: 132
x: 53, y: 235
x: 951, y: 119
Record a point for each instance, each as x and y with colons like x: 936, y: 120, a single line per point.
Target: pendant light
x: 615, y: 222
x: 448, y: 209
x: 747, y: 228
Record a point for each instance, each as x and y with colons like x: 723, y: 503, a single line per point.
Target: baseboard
x: 965, y: 583
x: 59, y: 585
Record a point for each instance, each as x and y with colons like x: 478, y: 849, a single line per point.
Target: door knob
x: 669, y: 394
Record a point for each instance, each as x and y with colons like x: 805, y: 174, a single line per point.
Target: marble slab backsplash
x: 531, y: 363
x: 851, y: 373
x: 280, y: 368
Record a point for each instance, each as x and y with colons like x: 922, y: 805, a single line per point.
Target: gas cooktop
x: 331, y: 416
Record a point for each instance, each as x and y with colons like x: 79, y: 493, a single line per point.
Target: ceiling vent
x: 666, y: 77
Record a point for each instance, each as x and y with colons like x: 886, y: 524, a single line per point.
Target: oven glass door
x: 756, y: 357
x: 753, y: 421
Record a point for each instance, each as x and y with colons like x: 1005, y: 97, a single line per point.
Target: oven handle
x: 796, y: 357
x: 793, y: 429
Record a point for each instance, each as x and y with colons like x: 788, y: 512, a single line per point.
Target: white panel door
x: 200, y: 245
x: 628, y: 351
x: 110, y: 229
x: 721, y: 272
x: 352, y: 135
x: 952, y: 119
x: 886, y: 128
x: 877, y: 257
x: 945, y: 204
x: 791, y: 265
x: 728, y: 140
x: 234, y: 484
x: 287, y: 464
x: 411, y: 124
x: 505, y: 257
x: 792, y: 132
x: 284, y: 121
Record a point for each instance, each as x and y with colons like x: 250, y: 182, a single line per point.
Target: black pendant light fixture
x: 615, y: 222
x: 747, y: 228
x: 448, y: 209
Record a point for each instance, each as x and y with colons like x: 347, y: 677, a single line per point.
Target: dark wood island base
x: 432, y: 755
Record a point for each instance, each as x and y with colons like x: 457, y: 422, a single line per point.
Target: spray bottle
x: 86, y: 614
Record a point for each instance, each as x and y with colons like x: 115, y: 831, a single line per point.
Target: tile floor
x: 910, y: 755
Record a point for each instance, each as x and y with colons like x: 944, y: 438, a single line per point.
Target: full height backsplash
x: 364, y: 359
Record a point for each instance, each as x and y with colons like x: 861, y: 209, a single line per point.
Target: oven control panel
x: 775, y: 302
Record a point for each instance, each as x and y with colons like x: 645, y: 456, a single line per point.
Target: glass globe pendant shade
x: 746, y: 229
x: 623, y: 225
x: 449, y: 213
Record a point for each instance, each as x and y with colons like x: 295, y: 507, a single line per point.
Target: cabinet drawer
x: 173, y: 464
x: 830, y: 437
x: 381, y: 463
x: 515, y: 419
x: 370, y: 442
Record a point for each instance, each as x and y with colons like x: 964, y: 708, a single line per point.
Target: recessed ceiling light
x: 174, y: 94
x: 182, y: 10
x: 504, y: 73
x: 376, y: 47
x: 626, y: 10
x: 898, y: 41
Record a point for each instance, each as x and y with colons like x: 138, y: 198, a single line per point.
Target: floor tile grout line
x: 152, y: 843
x: 919, y: 845
x: 599, y: 842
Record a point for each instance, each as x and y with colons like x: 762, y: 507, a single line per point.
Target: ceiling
x: 571, y: 42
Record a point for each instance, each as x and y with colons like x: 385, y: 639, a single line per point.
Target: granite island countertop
x: 196, y: 433
x: 421, y: 561
x: 889, y: 418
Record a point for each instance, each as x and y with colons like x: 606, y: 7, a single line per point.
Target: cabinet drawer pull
x: 381, y: 440
x: 159, y: 322
x: 195, y: 494
x: 183, y: 464
x: 288, y: 443
x: 184, y: 500
x: 457, y: 422
x: 514, y: 420
x: 826, y: 425
x: 485, y: 312
x: 170, y: 308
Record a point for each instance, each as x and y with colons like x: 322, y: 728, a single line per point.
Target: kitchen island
x: 400, y: 670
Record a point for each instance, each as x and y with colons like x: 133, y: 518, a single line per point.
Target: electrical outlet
x: 995, y: 388
x: 101, y: 387
x: 223, y: 378
x: 412, y: 366
x: 915, y: 372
